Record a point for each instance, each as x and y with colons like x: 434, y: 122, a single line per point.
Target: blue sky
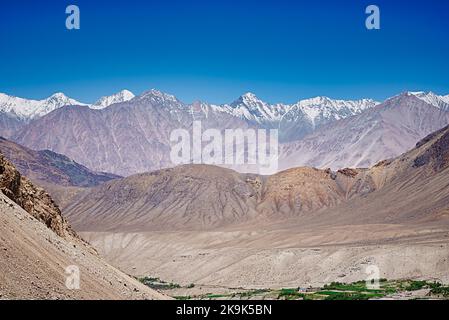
x: 216, y: 50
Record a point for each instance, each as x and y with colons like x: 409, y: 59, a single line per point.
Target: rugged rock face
x: 37, y: 245
x: 32, y: 199
x: 437, y: 155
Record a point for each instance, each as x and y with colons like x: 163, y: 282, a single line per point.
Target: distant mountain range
x: 15, y: 112
x: 126, y: 134
x: 296, y: 120
x: 382, y: 132
x: 29, y: 109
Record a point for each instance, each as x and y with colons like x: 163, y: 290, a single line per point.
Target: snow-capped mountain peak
x: 28, y: 109
x: 446, y: 99
x: 337, y: 104
x: 441, y: 102
x: 252, y: 108
x: 249, y: 98
x: 122, y: 96
x: 320, y: 110
x: 58, y: 96
x: 317, y: 109
x: 158, y: 96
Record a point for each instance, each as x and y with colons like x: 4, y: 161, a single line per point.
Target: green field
x: 397, y: 289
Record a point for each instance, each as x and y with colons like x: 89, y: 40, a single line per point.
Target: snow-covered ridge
x: 30, y: 109
x: 158, y: 96
x: 324, y: 108
x: 249, y: 107
x: 441, y: 102
x: 106, y: 101
x: 316, y: 110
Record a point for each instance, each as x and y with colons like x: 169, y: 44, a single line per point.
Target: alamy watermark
x: 73, y: 21
x: 230, y: 147
x: 72, y: 281
x: 373, y: 279
x: 372, y: 22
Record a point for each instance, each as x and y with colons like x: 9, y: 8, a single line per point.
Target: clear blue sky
x: 216, y: 50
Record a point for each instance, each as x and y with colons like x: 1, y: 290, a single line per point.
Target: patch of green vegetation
x: 433, y: 285
x: 288, y: 292
x: 416, y: 285
x: 291, y: 294
x: 158, y: 284
x: 333, y: 291
x: 355, y: 286
x: 332, y: 295
x: 440, y: 291
x: 251, y: 293
x: 149, y: 279
x: 359, y: 286
x: 215, y: 296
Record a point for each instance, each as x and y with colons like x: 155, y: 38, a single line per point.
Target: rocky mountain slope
x: 37, y: 245
x: 32, y: 199
x: 43, y: 167
x: 194, y: 196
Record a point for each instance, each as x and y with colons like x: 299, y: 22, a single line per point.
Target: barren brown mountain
x: 201, y: 197
x: 60, y: 176
x: 213, y: 226
x: 48, y: 167
x: 37, y: 245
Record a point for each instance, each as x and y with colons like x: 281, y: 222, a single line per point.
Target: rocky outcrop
x: 32, y: 199
x: 438, y: 153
